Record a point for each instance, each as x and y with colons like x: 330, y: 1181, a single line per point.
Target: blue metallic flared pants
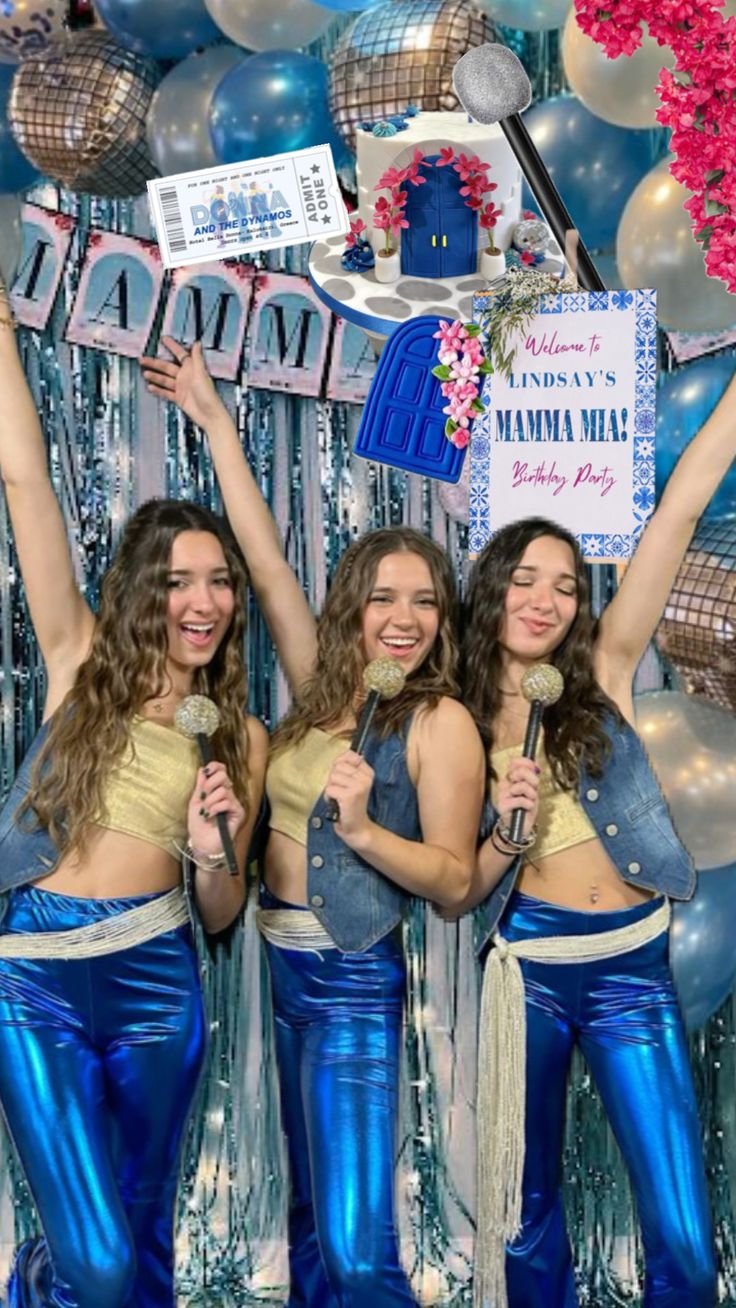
x: 99, y: 1063
x: 338, y: 1023
x: 623, y: 1014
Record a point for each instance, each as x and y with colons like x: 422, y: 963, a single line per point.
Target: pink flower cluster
x: 355, y: 235
x: 698, y: 102
x: 462, y: 365
x: 472, y: 173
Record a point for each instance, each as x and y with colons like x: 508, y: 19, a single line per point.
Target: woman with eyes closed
x: 102, y: 1029
x: 573, y: 917
x: 334, y: 892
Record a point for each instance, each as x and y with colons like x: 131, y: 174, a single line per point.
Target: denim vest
x: 628, y: 811
x: 25, y: 854
x: 356, y: 904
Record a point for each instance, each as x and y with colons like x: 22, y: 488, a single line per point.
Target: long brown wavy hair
x: 126, y: 666
x: 573, y: 727
x: 330, y: 693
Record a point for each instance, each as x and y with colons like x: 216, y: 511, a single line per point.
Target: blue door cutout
x: 442, y: 237
x: 403, y: 423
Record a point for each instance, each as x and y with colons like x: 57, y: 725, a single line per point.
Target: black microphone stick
x: 382, y: 678
x: 492, y: 86
x: 541, y: 685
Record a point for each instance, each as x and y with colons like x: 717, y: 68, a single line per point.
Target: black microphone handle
x: 531, y: 740
x: 225, y: 837
x: 548, y: 198
x: 357, y: 742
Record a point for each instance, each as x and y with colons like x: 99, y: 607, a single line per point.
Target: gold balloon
x: 655, y: 247
x: 622, y: 90
x: 698, y: 631
x: 692, y: 746
x: 78, y: 110
x: 401, y: 54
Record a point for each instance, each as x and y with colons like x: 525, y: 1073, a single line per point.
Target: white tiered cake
x: 444, y: 237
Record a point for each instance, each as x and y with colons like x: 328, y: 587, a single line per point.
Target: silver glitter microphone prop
x: 383, y: 679
x: 541, y: 685
x: 199, y: 717
x: 492, y: 86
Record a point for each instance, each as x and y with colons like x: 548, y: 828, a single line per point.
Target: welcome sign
x: 569, y: 435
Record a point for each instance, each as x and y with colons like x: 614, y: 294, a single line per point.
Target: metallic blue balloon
x: 684, y: 401
x: 272, y: 102
x: 160, y: 28
x: 16, y: 172
x: 702, y: 948
x: 594, y: 165
x: 349, y: 6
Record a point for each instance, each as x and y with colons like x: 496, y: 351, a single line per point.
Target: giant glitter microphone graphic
x: 492, y: 86
x: 198, y: 717
x: 541, y: 685
x: 383, y: 679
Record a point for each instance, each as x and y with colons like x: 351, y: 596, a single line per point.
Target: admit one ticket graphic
x: 215, y: 213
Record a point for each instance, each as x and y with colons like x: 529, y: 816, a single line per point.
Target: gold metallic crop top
x: 148, y: 792
x: 562, y: 820
x: 295, y: 780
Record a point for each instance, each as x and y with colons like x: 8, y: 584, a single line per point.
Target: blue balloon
x: 350, y: 6
x: 271, y: 103
x: 158, y: 27
x: 701, y: 951
x: 594, y: 165
x: 684, y: 401
x: 16, y: 172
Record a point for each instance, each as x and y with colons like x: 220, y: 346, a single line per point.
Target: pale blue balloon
x: 594, y: 165
x: 178, y: 121
x: 685, y: 400
x: 165, y: 29
x: 529, y: 15
x: 16, y: 172
x: 273, y: 102
x: 350, y: 6
x: 702, y: 949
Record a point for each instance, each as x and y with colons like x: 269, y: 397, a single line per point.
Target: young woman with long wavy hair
x: 574, y: 912
x: 334, y: 892
x: 102, y: 1029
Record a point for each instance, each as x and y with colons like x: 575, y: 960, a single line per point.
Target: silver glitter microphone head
x: 491, y: 84
x: 543, y: 683
x: 197, y: 716
x: 385, y: 676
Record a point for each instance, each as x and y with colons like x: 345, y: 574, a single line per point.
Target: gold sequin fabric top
x: 148, y: 792
x: 562, y: 821
x: 295, y: 780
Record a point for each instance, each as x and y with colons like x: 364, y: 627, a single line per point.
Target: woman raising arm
x: 102, y: 1029
x: 585, y: 886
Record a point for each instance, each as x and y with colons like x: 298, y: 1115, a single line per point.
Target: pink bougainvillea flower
x: 460, y: 438
x: 447, y: 156
x: 451, y: 334
x: 391, y: 177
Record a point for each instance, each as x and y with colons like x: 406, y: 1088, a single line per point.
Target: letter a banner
x: 569, y: 434
x: 118, y: 293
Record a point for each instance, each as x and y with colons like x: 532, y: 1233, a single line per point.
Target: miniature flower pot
x: 493, y: 265
x: 387, y: 266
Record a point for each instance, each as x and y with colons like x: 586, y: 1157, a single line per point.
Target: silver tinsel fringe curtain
x: 111, y: 447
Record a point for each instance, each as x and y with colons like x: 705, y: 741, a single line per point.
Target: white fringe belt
x: 135, y: 926
x: 501, y: 1096
x: 293, y: 928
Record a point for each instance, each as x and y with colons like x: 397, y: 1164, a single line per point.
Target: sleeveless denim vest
x: 25, y: 854
x: 356, y: 904
x: 628, y: 811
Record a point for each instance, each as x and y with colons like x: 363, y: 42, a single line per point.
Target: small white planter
x: 491, y: 266
x: 388, y: 266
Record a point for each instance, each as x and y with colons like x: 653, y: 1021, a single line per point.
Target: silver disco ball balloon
x: 698, y: 630
x: 401, y: 53
x: 78, y: 110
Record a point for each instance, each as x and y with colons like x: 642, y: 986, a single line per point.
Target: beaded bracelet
x: 513, y: 846
x: 205, y: 862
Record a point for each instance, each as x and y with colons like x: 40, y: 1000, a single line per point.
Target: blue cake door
x: 402, y: 422
x: 442, y: 237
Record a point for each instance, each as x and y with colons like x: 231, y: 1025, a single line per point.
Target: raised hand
x: 185, y: 381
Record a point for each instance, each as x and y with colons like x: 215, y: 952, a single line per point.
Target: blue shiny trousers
x: 338, y: 1024
x: 624, y: 1016
x: 99, y: 1063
